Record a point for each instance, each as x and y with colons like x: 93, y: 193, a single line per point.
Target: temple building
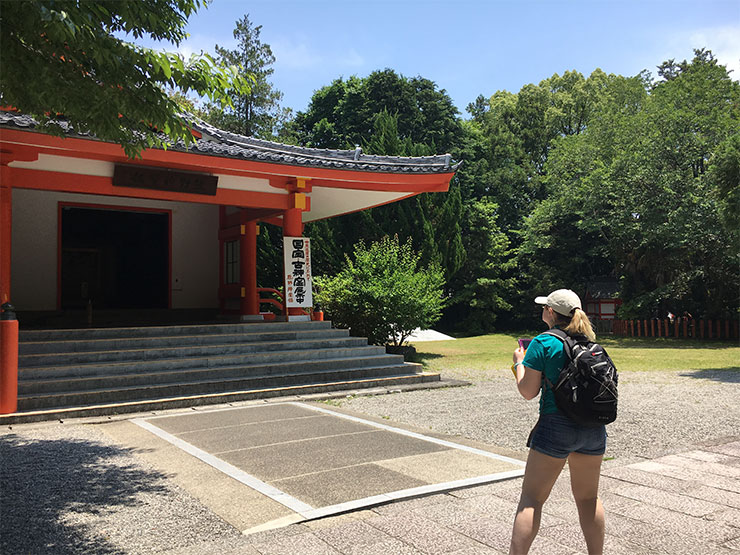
x: 135, y: 280
x: 82, y: 224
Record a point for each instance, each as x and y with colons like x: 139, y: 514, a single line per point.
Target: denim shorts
x: 558, y: 436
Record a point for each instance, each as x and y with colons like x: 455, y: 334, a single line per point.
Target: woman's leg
x: 584, y: 481
x: 539, y: 476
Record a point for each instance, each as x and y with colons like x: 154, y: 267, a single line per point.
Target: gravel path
x: 659, y: 412
x: 68, y: 489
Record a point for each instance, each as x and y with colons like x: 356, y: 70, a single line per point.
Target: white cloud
x: 724, y: 42
x: 291, y: 55
x: 352, y: 59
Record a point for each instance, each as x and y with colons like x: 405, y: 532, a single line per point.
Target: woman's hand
x: 528, y: 380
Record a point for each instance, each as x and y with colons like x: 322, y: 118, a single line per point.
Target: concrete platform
x: 279, y: 463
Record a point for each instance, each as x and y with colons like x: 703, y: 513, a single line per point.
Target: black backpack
x: 586, y: 390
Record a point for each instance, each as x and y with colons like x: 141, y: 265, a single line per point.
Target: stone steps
x: 110, y: 370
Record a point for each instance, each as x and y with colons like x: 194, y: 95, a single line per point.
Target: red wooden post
x: 8, y: 360
x: 718, y: 329
x: 632, y: 328
x: 709, y: 328
x: 676, y: 328
x: 727, y: 329
x: 736, y: 328
x: 652, y: 327
x: 701, y: 328
x: 685, y: 328
x: 249, y: 303
x: 667, y: 327
x: 639, y: 326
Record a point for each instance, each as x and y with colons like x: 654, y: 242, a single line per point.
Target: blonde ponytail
x: 580, y: 325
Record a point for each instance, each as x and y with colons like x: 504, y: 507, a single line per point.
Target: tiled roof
x: 216, y: 142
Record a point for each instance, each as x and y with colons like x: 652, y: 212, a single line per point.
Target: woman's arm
x: 528, y: 380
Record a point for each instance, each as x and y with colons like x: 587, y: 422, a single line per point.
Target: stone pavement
x: 687, y: 503
x: 283, y: 462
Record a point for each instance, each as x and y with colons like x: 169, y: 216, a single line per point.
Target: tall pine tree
x: 256, y: 113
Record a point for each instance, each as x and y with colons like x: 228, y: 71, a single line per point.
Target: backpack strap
x: 568, y: 344
x: 568, y: 341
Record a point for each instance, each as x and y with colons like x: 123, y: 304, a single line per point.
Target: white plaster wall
x: 34, y: 254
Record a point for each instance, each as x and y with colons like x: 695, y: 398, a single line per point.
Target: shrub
x: 383, y: 294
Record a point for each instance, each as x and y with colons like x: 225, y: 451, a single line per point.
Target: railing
x: 683, y: 328
x: 280, y: 304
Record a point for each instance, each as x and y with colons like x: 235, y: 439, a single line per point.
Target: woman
x: 556, y: 438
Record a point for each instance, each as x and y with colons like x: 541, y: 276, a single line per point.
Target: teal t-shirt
x: 545, y: 354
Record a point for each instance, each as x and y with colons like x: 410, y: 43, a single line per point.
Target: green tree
x: 484, y: 286
x: 510, y: 138
x: 505, y: 148
x: 724, y: 171
x: 254, y: 113
x: 384, y: 294
x: 388, y: 114
x: 343, y: 114
x: 64, y: 61
x: 637, y: 195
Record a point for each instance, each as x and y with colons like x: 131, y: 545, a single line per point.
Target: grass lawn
x: 477, y: 357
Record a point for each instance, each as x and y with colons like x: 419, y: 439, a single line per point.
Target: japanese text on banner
x: 298, y: 285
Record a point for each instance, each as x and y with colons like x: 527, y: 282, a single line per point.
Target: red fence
x: 680, y: 327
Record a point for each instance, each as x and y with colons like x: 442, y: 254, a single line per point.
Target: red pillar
x: 292, y: 223
x: 8, y: 361
x: 248, y: 269
x: 293, y: 227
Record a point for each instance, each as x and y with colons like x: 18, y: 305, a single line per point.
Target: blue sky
x: 469, y: 47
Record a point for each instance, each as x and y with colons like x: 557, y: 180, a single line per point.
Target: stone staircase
x: 80, y: 372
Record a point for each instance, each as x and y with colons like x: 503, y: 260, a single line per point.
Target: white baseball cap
x: 562, y: 301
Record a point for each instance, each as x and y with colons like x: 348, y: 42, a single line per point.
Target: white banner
x: 298, y: 283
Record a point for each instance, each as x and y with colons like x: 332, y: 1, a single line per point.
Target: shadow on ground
x: 731, y: 374
x: 422, y: 358
x: 50, y: 490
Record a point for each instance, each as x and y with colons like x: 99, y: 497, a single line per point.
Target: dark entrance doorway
x: 113, y: 258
